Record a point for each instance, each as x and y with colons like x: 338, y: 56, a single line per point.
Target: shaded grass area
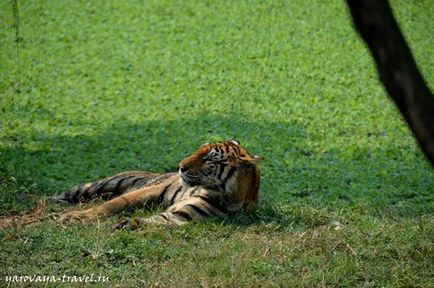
x: 99, y: 87
x: 304, y: 168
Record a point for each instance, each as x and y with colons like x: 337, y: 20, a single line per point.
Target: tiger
x: 217, y: 180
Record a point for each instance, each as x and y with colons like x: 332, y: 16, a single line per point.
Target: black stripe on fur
x: 160, y: 199
x: 213, y: 204
x: 229, y: 174
x: 183, y: 214
x: 198, y: 210
x: 174, y: 195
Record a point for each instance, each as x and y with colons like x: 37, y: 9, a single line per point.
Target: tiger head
x: 223, y: 166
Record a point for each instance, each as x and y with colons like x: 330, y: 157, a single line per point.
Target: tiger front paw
x: 129, y: 224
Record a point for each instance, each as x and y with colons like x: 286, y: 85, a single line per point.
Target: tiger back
x: 215, y: 181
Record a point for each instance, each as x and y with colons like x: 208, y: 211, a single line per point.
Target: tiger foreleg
x: 191, y: 209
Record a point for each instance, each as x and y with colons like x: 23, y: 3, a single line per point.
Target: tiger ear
x: 250, y: 160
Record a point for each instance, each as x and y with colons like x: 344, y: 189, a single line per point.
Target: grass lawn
x: 92, y: 88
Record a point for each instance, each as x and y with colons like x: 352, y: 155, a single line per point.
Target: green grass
x: 100, y: 87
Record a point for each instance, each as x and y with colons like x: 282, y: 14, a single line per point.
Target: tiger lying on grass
x: 218, y: 179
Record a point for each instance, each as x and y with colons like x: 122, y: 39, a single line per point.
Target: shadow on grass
x: 58, y: 162
x: 291, y: 170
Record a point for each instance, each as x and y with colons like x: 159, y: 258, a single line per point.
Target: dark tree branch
x: 16, y: 24
x: 396, y: 68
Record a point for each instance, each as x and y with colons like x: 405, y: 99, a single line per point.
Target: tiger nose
x: 183, y: 167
